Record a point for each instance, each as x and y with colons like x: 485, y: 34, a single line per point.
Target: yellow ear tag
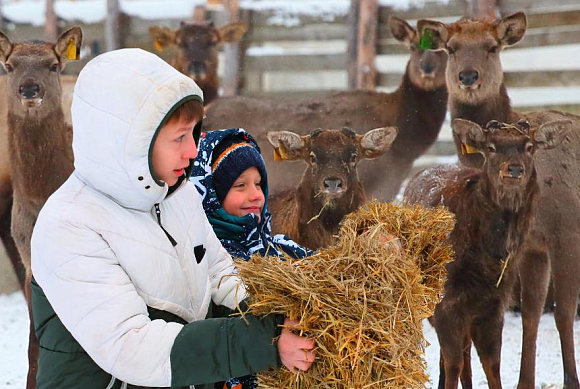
x: 158, y: 46
x: 72, y: 51
x: 467, y: 149
x: 277, y: 156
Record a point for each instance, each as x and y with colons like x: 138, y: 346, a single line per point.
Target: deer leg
x: 466, y: 374
x: 566, y: 290
x: 534, y: 274
x: 33, y: 344
x: 441, y: 384
x: 6, y: 237
x: 452, y: 335
x: 487, y: 340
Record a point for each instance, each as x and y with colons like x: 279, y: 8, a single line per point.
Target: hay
x: 361, y: 303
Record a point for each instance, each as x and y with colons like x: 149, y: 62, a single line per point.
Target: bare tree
x: 51, y: 22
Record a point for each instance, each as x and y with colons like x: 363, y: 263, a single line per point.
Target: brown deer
x: 311, y: 213
x: 39, y: 139
x: 417, y: 108
x: 197, y: 50
x: 477, y: 92
x: 67, y: 82
x: 494, y: 207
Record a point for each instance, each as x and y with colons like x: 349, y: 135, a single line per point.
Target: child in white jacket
x: 125, y: 264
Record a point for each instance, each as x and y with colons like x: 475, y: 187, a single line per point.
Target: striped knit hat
x: 230, y: 159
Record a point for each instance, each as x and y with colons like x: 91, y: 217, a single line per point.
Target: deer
x: 477, y: 92
x: 67, y: 83
x: 494, y: 207
x: 417, y: 108
x: 197, y: 46
x: 311, y: 212
x: 39, y: 139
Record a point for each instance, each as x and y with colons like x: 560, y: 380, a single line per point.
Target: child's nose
x: 257, y: 194
x: 191, y: 148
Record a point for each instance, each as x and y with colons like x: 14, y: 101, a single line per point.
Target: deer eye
x: 312, y: 158
x: 8, y: 67
x: 54, y: 68
x: 450, y: 50
x: 353, y: 158
x: 493, y: 49
x: 529, y: 148
x: 491, y: 148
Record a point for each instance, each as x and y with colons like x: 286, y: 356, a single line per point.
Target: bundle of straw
x: 360, y: 301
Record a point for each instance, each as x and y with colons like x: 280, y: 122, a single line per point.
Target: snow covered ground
x: 14, y: 338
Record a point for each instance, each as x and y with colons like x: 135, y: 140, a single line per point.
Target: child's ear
x: 289, y: 146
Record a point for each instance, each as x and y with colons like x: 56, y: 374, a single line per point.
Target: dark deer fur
x: 494, y: 209
x: 197, y: 50
x: 330, y: 188
x: 477, y: 92
x: 417, y: 108
x: 39, y: 139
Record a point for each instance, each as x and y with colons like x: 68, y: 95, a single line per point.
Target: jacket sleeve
x: 238, y: 347
x: 99, y: 305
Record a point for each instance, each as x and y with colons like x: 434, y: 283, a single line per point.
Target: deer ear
x: 376, y: 142
x: 68, y: 45
x: 511, y: 29
x: 402, y: 31
x: 433, y: 34
x: 289, y: 146
x: 551, y: 134
x: 162, y: 36
x: 5, y: 47
x: 233, y: 32
x: 469, y: 137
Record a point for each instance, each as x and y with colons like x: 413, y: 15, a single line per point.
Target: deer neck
x: 40, y: 153
x: 421, y: 114
x: 497, y: 108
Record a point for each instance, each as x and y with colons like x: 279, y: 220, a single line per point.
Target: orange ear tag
x: 72, y: 51
x: 158, y: 46
x: 467, y: 149
x: 277, y: 156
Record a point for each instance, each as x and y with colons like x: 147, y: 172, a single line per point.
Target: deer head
x: 331, y: 155
x: 508, y: 152
x: 426, y: 67
x: 34, y: 71
x: 474, y: 71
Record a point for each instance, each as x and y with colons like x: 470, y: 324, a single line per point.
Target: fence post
x: 51, y: 22
x: 367, y: 44
x: 232, y: 52
x: 484, y: 9
x: 352, y: 40
x: 198, y: 14
x: 112, y: 25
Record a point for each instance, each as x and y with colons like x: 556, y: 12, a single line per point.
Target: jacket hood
x: 121, y: 99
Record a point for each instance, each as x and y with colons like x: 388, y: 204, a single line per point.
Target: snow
x: 14, y: 330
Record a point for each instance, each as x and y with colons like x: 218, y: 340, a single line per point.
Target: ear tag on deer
x: 467, y: 149
x: 72, y: 51
x: 426, y: 41
x: 158, y: 46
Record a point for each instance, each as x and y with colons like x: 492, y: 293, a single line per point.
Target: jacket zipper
x: 158, y: 213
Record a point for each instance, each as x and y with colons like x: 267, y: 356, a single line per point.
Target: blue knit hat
x: 230, y: 159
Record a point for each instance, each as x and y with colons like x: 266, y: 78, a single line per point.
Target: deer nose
x: 333, y: 185
x: 515, y: 171
x: 197, y: 68
x: 468, y: 77
x: 427, y: 68
x: 29, y: 91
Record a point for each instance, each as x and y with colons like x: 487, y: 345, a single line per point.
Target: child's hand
x: 296, y: 352
x: 392, y: 243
